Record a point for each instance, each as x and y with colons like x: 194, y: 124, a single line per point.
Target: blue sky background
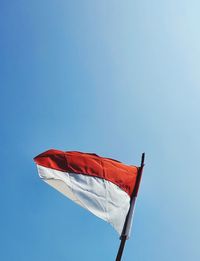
x: 112, y: 77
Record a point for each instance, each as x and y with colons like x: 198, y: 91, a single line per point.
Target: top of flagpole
x: 142, y: 160
x: 135, y: 192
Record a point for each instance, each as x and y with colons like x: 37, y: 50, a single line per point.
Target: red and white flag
x: 101, y: 185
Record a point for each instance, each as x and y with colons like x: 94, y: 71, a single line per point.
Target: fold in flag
x: 101, y: 185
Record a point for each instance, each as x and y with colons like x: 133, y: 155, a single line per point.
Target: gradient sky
x: 112, y: 77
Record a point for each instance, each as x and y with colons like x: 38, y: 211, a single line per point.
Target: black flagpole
x: 128, y: 221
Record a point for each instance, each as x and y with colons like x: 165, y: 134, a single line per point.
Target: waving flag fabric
x: 101, y: 185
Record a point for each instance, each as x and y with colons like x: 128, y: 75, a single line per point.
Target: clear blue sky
x: 112, y: 77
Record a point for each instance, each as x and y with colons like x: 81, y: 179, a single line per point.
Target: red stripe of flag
x: 90, y: 164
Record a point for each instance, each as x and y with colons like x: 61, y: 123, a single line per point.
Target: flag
x: 101, y: 185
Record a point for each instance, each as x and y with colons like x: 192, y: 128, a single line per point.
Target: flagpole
x: 128, y: 221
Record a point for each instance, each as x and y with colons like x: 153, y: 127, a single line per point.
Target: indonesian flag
x: 101, y: 185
